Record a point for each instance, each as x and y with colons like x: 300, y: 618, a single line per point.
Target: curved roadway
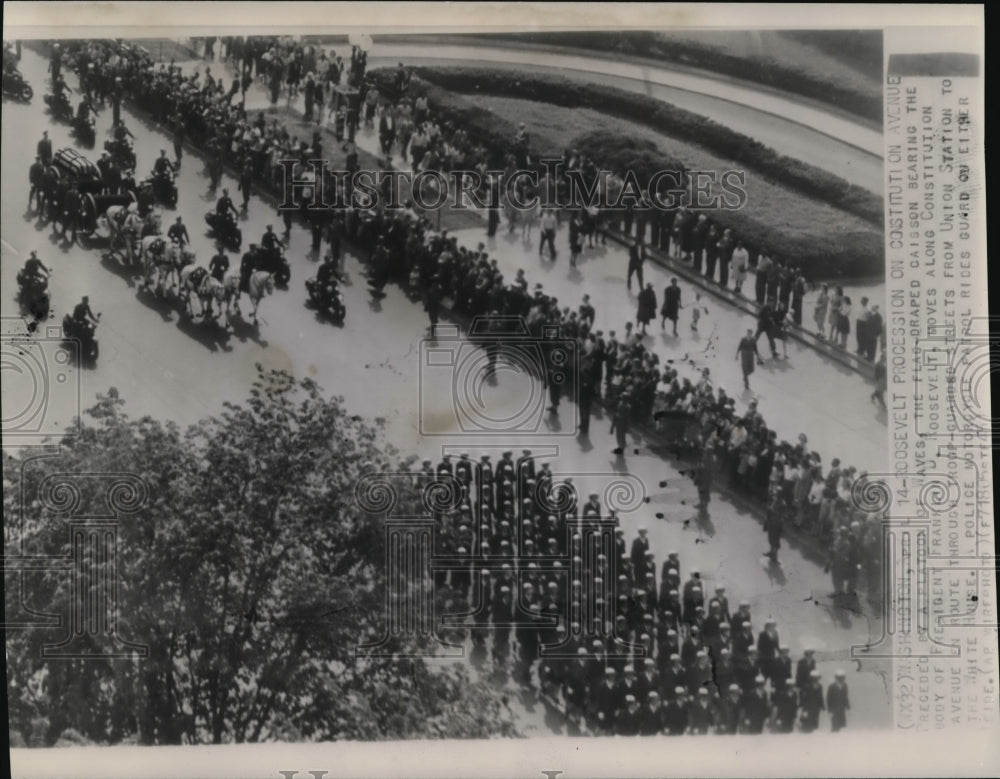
x: 827, y: 140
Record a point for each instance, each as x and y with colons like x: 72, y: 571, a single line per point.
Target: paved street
x: 171, y: 369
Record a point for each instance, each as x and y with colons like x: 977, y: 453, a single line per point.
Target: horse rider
x: 82, y: 315
x: 219, y: 264
x: 225, y: 209
x: 248, y: 265
x: 178, y: 231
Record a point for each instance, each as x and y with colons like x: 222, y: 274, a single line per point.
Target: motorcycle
x: 122, y: 153
x: 83, y: 333
x: 16, y: 87
x: 163, y: 188
x: 328, y: 299
x: 33, y: 294
x: 274, y: 261
x: 60, y: 107
x: 84, y: 130
x: 225, y: 229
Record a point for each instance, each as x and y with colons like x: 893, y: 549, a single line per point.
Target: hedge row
x: 822, y: 255
x: 761, y: 70
x: 670, y: 120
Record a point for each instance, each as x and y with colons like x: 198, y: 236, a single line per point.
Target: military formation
x: 624, y: 642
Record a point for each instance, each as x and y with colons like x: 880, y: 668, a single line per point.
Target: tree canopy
x: 244, y: 566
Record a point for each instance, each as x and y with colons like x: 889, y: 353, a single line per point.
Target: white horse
x: 194, y: 278
x: 260, y: 285
x: 178, y: 257
x: 125, y: 227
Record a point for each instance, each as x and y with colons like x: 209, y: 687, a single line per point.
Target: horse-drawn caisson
x: 74, y: 200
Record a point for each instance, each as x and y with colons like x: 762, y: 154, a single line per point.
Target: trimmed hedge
x: 823, y: 255
x: 669, y: 120
x: 762, y: 70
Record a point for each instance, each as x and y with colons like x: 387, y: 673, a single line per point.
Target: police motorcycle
x: 161, y: 184
x: 326, y: 296
x: 83, y: 332
x: 15, y: 86
x: 59, y: 105
x: 84, y: 125
x: 33, y: 294
x: 225, y: 229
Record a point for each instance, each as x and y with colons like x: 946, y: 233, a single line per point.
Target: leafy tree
x: 251, y: 574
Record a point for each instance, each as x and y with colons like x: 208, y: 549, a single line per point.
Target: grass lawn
x: 778, y: 46
x: 766, y: 202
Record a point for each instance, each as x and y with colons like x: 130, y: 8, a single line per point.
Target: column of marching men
x: 628, y: 644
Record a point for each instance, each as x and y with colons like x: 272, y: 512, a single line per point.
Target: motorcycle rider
x: 163, y: 168
x: 270, y: 242
x: 59, y: 90
x: 326, y: 285
x: 82, y: 315
x: 83, y: 111
x: 224, y: 209
x: 34, y: 273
